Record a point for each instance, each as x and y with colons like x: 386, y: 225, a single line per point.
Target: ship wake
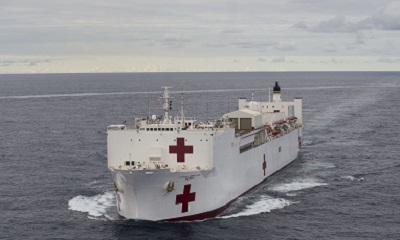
x: 253, y: 205
x: 297, y: 185
x: 264, y: 204
x: 98, y: 207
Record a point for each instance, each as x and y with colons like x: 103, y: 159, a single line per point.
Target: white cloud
x: 278, y: 59
x: 388, y: 60
x: 286, y: 46
x: 360, y: 38
x: 191, y: 30
x: 387, y: 18
x: 330, y: 47
x: 232, y: 30
x: 175, y: 42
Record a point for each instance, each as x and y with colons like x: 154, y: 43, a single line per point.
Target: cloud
x: 300, y: 25
x: 278, y: 59
x: 387, y: 18
x: 215, y: 45
x: 261, y: 60
x: 23, y: 62
x: 330, y: 47
x: 175, y: 42
x: 243, y: 44
x: 360, y: 38
x: 286, y: 46
x: 232, y: 30
x: 252, y: 44
x: 195, y: 29
x: 388, y: 60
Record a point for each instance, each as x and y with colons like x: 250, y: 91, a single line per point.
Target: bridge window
x: 127, y: 163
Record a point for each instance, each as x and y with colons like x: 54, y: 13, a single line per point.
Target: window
x: 127, y: 163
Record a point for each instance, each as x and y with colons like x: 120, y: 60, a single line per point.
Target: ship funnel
x: 276, y: 95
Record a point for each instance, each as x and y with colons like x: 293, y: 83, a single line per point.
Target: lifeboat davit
x: 275, y: 132
x: 280, y: 122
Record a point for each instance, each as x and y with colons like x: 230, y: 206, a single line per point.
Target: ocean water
x: 54, y: 181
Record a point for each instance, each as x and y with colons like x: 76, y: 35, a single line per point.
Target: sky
x: 54, y: 36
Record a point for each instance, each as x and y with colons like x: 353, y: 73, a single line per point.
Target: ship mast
x: 182, y: 114
x: 269, y: 93
x: 167, y: 104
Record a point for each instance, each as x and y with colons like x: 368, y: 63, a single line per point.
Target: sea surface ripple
x: 54, y: 181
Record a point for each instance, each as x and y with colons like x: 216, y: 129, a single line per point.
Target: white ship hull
x: 206, y: 193
x: 181, y: 169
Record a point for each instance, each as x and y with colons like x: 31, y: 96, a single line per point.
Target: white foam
x: 88, y: 94
x: 119, y: 93
x: 352, y: 178
x: 319, y: 165
x: 265, y: 204
x: 97, y: 207
x: 296, y: 185
x: 291, y: 194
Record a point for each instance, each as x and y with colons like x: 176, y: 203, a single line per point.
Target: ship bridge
x: 179, y: 144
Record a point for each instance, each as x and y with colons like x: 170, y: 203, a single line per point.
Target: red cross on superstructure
x: 264, y: 165
x: 180, y: 149
x: 185, y: 198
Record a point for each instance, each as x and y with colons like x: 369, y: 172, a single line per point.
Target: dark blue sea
x: 345, y: 184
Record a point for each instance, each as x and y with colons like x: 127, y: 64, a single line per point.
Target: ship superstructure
x: 176, y: 168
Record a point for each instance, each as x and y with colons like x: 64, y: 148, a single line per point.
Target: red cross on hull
x: 180, y: 149
x: 185, y: 198
x: 264, y: 165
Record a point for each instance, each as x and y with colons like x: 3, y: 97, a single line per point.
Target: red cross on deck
x: 185, y: 198
x: 264, y: 165
x: 180, y: 149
